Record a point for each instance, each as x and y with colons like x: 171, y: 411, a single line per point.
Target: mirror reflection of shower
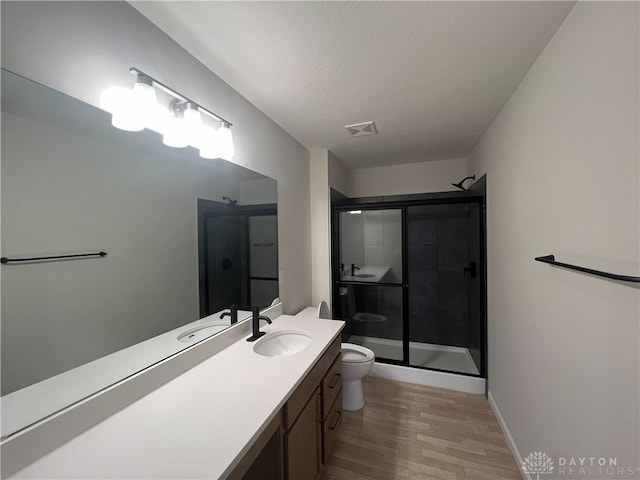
x: 238, y: 249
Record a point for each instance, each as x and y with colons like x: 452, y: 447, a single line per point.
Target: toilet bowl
x: 356, y: 363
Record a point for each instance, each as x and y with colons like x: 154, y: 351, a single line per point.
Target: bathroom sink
x: 365, y: 275
x: 282, y: 343
x: 203, y: 331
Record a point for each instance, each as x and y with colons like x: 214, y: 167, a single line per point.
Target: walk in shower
x: 409, y: 279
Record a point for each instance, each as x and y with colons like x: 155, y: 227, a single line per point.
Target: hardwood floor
x: 408, y: 431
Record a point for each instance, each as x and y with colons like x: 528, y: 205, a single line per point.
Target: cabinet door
x: 303, y: 442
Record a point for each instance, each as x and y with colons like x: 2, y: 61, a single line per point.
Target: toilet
x: 356, y: 363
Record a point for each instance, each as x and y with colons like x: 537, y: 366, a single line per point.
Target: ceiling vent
x: 361, y: 129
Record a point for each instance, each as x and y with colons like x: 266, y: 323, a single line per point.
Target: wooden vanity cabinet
x: 299, y: 440
x: 317, y: 400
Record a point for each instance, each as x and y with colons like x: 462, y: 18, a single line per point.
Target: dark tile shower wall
x: 439, y: 250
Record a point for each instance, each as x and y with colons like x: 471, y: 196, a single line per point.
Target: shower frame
x: 475, y: 194
x: 208, y: 209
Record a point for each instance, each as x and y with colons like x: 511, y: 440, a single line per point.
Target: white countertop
x: 200, y: 424
x: 30, y: 404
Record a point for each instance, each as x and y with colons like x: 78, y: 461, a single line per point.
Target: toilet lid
x: 352, y: 353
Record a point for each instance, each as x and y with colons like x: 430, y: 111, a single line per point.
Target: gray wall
x: 432, y: 176
x: 81, y: 48
x: 351, y: 240
x: 382, y: 241
x: 563, y: 177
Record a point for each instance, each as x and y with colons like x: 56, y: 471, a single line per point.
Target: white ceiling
x: 432, y: 75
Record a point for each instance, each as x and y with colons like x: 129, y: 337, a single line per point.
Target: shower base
x: 441, y: 357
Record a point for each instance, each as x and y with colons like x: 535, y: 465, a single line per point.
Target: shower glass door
x: 263, y: 259
x: 369, y: 294
x: 444, y: 287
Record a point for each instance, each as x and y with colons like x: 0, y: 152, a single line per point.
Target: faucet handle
x: 233, y: 313
x: 255, y: 321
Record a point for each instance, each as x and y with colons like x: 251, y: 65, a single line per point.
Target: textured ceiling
x: 432, y: 75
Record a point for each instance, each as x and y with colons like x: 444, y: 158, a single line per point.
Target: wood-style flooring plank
x: 412, y: 432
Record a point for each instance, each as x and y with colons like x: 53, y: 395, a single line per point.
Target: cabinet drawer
x: 331, y: 385
x: 330, y: 427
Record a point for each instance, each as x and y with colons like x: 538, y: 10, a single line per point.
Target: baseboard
x: 507, y: 435
x: 431, y: 378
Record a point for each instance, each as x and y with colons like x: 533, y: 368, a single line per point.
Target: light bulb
x: 125, y: 108
x: 145, y: 98
x: 113, y: 98
x: 209, y: 145
x: 225, y: 141
x: 144, y: 91
x: 175, y: 135
x: 191, y: 116
x: 184, y: 128
x: 191, y: 123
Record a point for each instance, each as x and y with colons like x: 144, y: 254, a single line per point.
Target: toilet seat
x: 352, y: 353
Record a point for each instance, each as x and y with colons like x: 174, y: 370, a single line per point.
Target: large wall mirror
x: 184, y: 237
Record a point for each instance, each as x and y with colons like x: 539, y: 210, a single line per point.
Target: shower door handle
x: 472, y: 269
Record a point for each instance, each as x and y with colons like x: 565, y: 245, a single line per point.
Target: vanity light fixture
x: 179, y: 120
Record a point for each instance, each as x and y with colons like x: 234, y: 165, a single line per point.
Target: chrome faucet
x: 233, y: 313
x: 255, y: 320
x: 353, y: 269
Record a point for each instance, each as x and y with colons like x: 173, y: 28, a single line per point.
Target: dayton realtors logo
x: 537, y: 462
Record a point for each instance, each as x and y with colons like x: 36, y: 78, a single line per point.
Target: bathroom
x: 561, y: 164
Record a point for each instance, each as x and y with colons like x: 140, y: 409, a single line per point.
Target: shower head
x: 231, y: 202
x: 459, y: 184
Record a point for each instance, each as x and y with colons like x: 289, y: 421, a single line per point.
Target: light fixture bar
x: 179, y: 96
